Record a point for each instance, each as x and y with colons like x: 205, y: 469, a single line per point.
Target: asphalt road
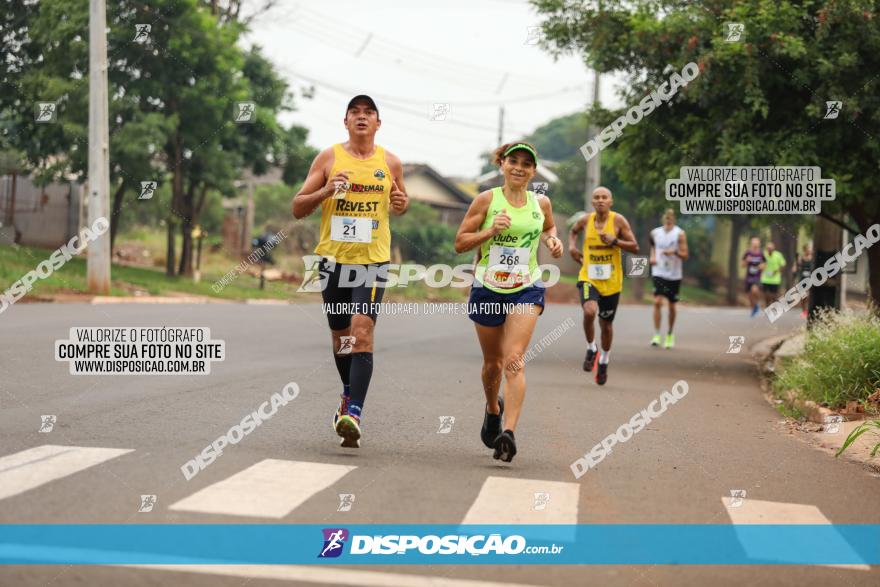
x: 723, y: 435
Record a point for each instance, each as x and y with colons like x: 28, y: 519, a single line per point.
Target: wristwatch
x: 614, y: 242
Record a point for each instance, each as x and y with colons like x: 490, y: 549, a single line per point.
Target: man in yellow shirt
x: 600, y: 280
x: 356, y: 184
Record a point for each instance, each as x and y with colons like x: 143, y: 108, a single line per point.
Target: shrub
x: 840, y: 361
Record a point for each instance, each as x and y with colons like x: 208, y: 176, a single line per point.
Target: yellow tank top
x: 602, y: 266
x: 354, y: 229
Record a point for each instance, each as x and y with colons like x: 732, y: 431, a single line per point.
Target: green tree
x: 757, y: 102
x: 422, y: 238
x: 173, y: 95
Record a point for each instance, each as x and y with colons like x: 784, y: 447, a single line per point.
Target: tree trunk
x: 176, y: 197
x: 736, y: 226
x: 186, y: 227
x: 864, y: 221
x: 10, y: 211
x: 117, y: 210
x: 827, y: 237
x: 874, y: 278
x: 170, y: 255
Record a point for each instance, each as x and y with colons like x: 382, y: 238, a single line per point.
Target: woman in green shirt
x: 507, y: 223
x: 771, y: 273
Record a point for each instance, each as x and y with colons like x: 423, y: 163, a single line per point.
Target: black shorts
x: 770, y: 287
x: 362, y: 298
x: 667, y: 288
x: 607, y: 304
x: 749, y: 285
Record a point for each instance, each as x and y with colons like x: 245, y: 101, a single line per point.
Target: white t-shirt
x: 668, y: 266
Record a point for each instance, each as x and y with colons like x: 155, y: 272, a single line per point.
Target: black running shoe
x: 602, y: 373
x: 590, y: 360
x: 492, y: 426
x: 505, y: 446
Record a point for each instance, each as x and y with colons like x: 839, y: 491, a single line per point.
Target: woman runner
x: 507, y: 223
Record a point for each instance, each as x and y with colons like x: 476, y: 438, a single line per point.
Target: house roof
x: 458, y: 193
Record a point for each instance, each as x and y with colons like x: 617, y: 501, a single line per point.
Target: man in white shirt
x: 668, y: 251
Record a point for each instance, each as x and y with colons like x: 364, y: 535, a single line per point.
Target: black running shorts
x: 667, y: 288
x: 353, y: 296
x: 607, y: 304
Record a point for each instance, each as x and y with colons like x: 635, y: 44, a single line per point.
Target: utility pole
x: 594, y: 169
x: 98, y: 252
x: 500, y: 125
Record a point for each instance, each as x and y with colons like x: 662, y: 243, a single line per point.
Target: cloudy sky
x: 472, y: 55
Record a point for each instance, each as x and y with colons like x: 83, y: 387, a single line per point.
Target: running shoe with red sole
x: 602, y: 373
x: 341, y: 410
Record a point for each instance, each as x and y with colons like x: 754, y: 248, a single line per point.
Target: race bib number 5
x: 351, y: 230
x: 602, y: 271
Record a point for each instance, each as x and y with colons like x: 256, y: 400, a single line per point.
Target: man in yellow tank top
x: 600, y: 280
x: 356, y: 184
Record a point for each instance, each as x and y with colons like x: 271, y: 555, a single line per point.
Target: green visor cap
x: 524, y: 147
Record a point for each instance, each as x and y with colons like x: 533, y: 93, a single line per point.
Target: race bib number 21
x: 351, y: 230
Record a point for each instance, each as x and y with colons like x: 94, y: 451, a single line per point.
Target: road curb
x: 102, y: 300
x: 158, y: 300
x: 772, y: 355
x: 818, y: 429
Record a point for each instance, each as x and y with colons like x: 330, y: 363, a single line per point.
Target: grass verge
x: 840, y: 361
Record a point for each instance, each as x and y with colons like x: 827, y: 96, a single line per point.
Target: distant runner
x: 507, y: 223
x: 753, y: 260
x: 600, y: 280
x: 771, y: 273
x: 668, y: 252
x: 801, y: 270
x: 356, y: 184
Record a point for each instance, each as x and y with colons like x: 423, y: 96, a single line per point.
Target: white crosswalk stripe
x: 31, y: 468
x: 328, y: 576
x: 271, y: 488
x: 755, y: 511
x: 506, y: 500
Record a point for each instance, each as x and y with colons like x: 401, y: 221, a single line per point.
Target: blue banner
x: 606, y: 544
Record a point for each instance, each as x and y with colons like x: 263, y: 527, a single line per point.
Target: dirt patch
x: 562, y: 293
x: 133, y: 254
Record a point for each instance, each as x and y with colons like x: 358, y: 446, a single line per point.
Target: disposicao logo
x: 334, y: 541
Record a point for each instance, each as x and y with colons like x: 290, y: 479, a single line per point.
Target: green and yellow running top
x: 509, y: 260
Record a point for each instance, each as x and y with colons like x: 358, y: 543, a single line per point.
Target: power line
x: 393, y: 105
x: 439, y: 62
x: 419, y: 68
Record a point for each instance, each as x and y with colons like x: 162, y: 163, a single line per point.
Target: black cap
x: 362, y: 98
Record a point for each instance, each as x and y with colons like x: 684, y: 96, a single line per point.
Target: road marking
x: 31, y: 468
x: 755, y: 511
x: 270, y: 489
x: 506, y: 500
x: 327, y: 576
